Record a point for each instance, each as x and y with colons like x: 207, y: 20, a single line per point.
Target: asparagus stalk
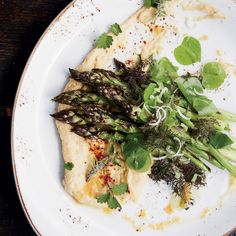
x: 97, y: 115
x: 223, y: 161
x: 100, y: 77
x: 139, y: 74
x: 120, y: 98
x: 77, y: 97
x: 218, y: 156
x: 91, y: 131
x: 91, y: 114
x: 70, y: 116
x: 202, y: 154
x: 112, y: 137
x: 197, y: 162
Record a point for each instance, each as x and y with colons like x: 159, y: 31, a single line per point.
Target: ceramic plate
x: 36, y: 151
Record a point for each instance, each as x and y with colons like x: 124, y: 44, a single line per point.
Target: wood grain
x: 22, y: 22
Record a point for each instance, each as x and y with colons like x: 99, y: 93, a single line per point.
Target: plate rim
x: 49, y: 27
x: 22, y: 77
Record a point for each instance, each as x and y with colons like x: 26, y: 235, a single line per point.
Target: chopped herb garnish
x: 110, y: 198
x: 103, y: 198
x: 154, y: 3
x: 113, y: 203
x: 68, y: 165
x: 116, y: 29
x: 120, y: 189
x: 159, y: 4
x: 104, y: 41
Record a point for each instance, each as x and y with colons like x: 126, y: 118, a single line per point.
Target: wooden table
x: 21, y: 24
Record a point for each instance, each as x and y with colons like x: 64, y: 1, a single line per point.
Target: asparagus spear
x: 120, y: 98
x: 76, y: 97
x: 91, y: 114
x: 96, y: 131
x: 100, y: 77
x: 137, y: 74
x: 70, y: 116
x: 99, y: 116
x: 114, y: 136
x: 196, y: 161
x: 202, y: 154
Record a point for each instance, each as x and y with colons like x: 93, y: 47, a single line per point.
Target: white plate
x: 36, y: 155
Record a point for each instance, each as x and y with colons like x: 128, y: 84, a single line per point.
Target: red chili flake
x: 144, y: 42
x: 106, y: 178
x: 128, y: 62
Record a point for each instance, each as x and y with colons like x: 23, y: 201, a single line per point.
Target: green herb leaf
x: 68, y: 165
x: 154, y: 3
x: 220, y: 140
x: 189, y: 51
x: 149, y: 3
x: 149, y: 91
x: 136, y: 156
x: 188, y: 87
x: 213, y: 75
x: 116, y: 162
x: 171, y: 119
x: 201, y: 104
x: 120, y: 189
x: 103, y: 198
x: 104, y: 41
x: 144, y: 115
x: 113, y: 203
x: 136, y: 137
x: 163, y: 71
x: 111, y: 149
x: 115, y: 29
x: 204, y: 106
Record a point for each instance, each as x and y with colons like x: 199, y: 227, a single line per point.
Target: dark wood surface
x: 21, y: 24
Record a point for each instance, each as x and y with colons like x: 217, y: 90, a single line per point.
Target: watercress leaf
x: 188, y: 87
x: 149, y: 91
x: 113, y: 203
x: 213, y: 75
x: 120, y: 189
x: 104, y: 41
x: 139, y: 159
x: 163, y: 71
x: 189, y: 51
x: 115, y: 29
x: 68, y: 165
x: 103, y: 198
x: 204, y: 106
x: 220, y: 140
